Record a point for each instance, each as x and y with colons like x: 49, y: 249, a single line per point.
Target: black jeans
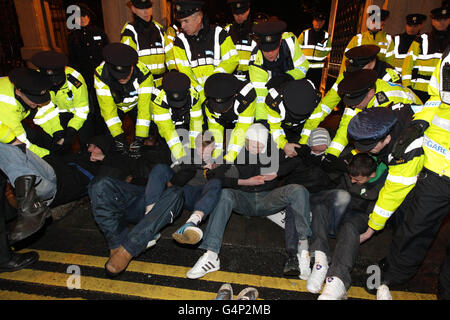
x: 347, y: 246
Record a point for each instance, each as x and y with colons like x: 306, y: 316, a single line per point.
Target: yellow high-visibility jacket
x: 162, y: 116
x: 399, y: 49
x: 151, y: 46
x: 171, y: 34
x: 385, y: 93
x: 139, y: 94
x: 431, y: 151
x: 72, y: 97
x: 6, y: 134
x: 13, y: 112
x: 316, y: 49
x: 242, y: 117
x: 259, y: 76
x: 420, y: 63
x: 211, y: 51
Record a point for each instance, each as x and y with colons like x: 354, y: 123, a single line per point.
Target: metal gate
x: 10, y: 38
x: 348, y: 15
x: 58, y: 18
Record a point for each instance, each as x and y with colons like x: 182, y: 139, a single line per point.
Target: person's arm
x: 229, y: 58
x: 301, y: 64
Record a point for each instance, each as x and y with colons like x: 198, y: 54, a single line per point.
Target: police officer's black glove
x: 121, y: 144
x: 68, y: 138
x: 135, y: 148
x: 22, y: 147
x: 278, y: 80
x: 56, y: 147
x: 414, y: 131
x: 329, y: 163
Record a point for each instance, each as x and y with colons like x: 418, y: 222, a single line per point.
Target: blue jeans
x: 294, y: 198
x: 116, y: 204
x: 14, y: 163
x: 202, y: 198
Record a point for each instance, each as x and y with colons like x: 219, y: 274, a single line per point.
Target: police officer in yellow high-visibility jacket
x: 124, y: 84
x: 201, y: 49
x: 242, y: 35
x: 229, y: 105
x: 23, y: 90
x: 425, y: 53
x: 374, y: 35
x: 278, y: 58
x: 175, y: 106
x: 316, y: 46
x: 361, y: 57
x: 401, y: 43
x: 148, y: 38
x: 69, y: 94
x: 286, y: 115
x: 423, y: 166
x: 360, y: 90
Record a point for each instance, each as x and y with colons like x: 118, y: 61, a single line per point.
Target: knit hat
x: 258, y: 132
x: 319, y: 136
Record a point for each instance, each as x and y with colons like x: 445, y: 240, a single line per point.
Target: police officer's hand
x: 278, y: 80
x: 366, y: 235
x: 414, y: 131
x: 121, y: 144
x: 57, y: 142
x: 289, y: 149
x: 135, y: 148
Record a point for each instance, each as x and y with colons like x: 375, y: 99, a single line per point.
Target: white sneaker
x: 203, y: 266
x: 304, y: 264
x: 334, y: 290
x: 383, y: 293
x: 318, y: 274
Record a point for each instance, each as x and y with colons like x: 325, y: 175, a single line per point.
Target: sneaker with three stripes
x: 204, y: 265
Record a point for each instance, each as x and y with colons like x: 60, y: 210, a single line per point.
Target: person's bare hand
x: 366, y: 235
x: 289, y: 149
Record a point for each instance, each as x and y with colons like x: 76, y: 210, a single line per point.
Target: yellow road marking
x: 13, y: 295
x: 218, y: 276
x: 104, y: 285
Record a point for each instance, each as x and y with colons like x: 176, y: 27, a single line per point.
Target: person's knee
x: 100, y: 185
x: 298, y: 192
x: 342, y: 198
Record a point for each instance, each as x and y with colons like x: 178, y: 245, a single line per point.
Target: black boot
x: 32, y: 212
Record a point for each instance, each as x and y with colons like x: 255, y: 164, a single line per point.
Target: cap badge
x: 43, y: 92
x: 176, y: 95
x: 219, y: 100
x: 50, y: 72
x: 268, y: 38
x: 444, y: 11
x: 119, y: 68
x: 238, y: 5
x: 178, y: 7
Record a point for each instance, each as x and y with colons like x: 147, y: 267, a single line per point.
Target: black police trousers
x: 422, y: 217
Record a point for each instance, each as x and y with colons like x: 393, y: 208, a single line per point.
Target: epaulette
x: 77, y: 83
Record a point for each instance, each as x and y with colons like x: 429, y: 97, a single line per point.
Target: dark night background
x: 297, y: 14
